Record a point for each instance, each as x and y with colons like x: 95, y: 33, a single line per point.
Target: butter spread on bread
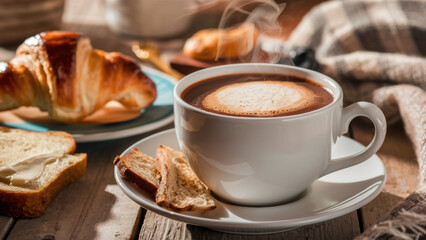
x: 59, y: 72
x: 52, y: 153
x: 27, y: 169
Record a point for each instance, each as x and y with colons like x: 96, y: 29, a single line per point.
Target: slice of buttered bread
x: 34, y: 167
x: 180, y: 189
x: 140, y: 169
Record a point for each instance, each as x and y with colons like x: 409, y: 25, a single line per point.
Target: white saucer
x: 329, y: 197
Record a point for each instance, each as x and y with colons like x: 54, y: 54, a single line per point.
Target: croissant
x: 59, y: 72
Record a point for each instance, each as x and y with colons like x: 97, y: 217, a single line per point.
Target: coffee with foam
x: 257, y: 95
x: 259, y: 98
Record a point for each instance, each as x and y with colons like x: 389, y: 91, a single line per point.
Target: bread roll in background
x: 293, y: 13
x: 214, y: 44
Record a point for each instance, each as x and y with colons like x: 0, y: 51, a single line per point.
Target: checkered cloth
x: 376, y: 50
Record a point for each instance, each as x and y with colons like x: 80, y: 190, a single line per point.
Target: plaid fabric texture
x: 376, y: 50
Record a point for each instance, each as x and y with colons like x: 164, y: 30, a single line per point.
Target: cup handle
x: 349, y: 113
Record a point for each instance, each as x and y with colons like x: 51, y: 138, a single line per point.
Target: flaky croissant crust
x: 59, y: 72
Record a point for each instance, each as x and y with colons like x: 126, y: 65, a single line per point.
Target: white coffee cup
x: 155, y: 19
x: 268, y: 160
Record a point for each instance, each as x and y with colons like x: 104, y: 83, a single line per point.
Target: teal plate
x: 153, y: 117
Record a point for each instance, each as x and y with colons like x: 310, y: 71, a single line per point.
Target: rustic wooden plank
x: 159, y: 227
x: 6, y: 223
x: 399, y: 159
x: 108, y: 213
x: 91, y: 208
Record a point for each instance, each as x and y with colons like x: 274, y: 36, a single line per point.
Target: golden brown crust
x: 162, y: 192
x: 126, y: 172
x: 8, y: 83
x: 33, y: 203
x: 159, y: 192
x: 213, y: 44
x: 59, y: 72
x: 14, y: 81
x: 61, y: 49
x: 131, y: 75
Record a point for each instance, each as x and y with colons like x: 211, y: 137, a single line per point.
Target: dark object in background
x: 301, y: 57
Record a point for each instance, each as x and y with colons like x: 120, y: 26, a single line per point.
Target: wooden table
x: 95, y: 208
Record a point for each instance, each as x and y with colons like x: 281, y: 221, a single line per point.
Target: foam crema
x: 260, y: 98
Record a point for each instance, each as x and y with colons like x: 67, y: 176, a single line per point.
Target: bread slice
x: 31, y: 199
x: 139, y: 168
x: 180, y: 189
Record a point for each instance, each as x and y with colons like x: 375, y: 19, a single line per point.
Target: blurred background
x: 113, y: 24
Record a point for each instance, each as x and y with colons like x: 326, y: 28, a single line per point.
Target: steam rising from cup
x: 261, y: 20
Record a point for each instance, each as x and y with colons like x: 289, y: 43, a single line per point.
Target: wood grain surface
x: 6, y: 224
x: 95, y: 208
x: 159, y: 227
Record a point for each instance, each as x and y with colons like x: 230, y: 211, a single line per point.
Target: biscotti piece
x: 180, y: 189
x: 139, y: 168
x: 28, y: 199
